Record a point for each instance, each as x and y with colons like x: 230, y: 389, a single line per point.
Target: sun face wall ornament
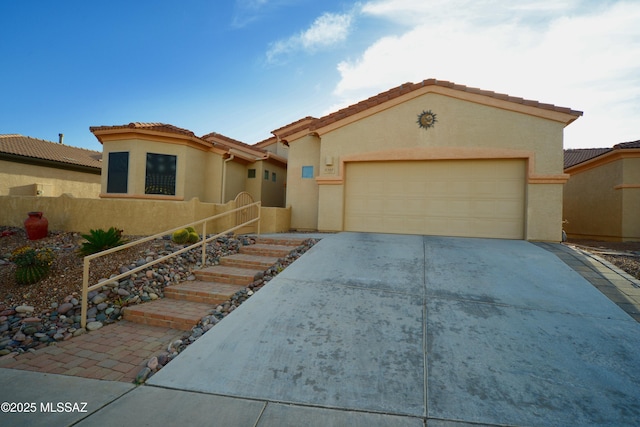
x: 426, y: 119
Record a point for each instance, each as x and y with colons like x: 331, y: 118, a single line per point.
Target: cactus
x: 31, y: 274
x: 180, y: 236
x: 191, y: 229
x: 193, y: 237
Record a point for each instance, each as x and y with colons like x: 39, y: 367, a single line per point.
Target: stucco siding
x: 544, y: 212
x: 20, y: 179
x: 302, y: 193
x: 273, y: 192
x: 459, y: 124
x: 592, y: 205
x: 234, y: 182
x: 631, y: 199
x: 193, y: 166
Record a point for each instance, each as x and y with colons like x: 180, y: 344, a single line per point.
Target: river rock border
x: 21, y: 329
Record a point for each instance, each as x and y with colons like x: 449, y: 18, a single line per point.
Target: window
x: 266, y: 175
x: 118, y: 173
x: 307, y: 171
x: 273, y: 176
x: 161, y: 174
x: 252, y: 173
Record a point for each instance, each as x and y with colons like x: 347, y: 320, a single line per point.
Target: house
x: 164, y: 162
x: 260, y: 172
x: 430, y: 158
x: 35, y: 167
x: 602, y: 195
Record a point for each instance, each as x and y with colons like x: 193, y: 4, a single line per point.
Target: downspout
x: 224, y: 178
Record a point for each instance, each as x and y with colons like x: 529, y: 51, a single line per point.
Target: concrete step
x: 168, y: 313
x: 279, y: 241
x: 227, y: 274
x: 268, y: 250
x: 206, y: 292
x: 248, y: 261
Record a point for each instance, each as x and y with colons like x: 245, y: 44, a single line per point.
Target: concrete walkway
x: 388, y: 330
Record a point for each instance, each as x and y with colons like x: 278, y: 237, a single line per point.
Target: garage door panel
x: 476, y: 198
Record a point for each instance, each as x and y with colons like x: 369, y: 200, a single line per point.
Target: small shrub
x: 180, y: 236
x: 100, y: 240
x: 33, y: 264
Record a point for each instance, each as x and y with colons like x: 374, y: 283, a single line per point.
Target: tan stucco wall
x: 460, y: 124
x: 20, y: 179
x: 192, y: 167
x: 544, y: 205
x: 278, y: 148
x: 592, y: 206
x: 302, y: 194
x: 234, y: 182
x: 273, y: 193
x: 253, y: 186
x: 463, y: 129
x: 631, y: 199
x: 135, y: 217
x: 275, y: 220
x: 330, y: 218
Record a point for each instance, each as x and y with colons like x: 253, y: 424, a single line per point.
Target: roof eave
x: 97, y: 170
x: 114, y: 134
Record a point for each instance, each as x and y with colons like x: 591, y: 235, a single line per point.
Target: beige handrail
x: 85, y: 277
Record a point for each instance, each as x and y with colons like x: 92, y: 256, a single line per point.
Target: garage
x: 469, y: 198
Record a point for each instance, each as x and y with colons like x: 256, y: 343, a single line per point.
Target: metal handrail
x: 85, y: 276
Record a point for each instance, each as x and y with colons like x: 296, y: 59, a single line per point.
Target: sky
x: 243, y: 68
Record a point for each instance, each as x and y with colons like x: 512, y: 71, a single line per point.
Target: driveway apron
x: 374, y: 329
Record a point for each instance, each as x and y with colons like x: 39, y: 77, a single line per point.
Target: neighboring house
x: 35, y: 167
x: 161, y: 161
x: 430, y: 158
x: 602, y: 196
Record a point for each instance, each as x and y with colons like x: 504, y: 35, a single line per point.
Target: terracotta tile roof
x: 624, y: 145
x: 295, y: 125
x: 576, y: 156
x: 158, y: 127
x: 227, y: 142
x: 313, y: 124
x: 33, y: 148
x: 266, y: 142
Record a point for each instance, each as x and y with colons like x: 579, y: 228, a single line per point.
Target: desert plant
x: 32, y: 264
x: 180, y: 236
x: 193, y: 237
x: 100, y: 240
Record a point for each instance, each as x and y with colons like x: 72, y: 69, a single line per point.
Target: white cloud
x: 327, y: 30
x: 555, y: 52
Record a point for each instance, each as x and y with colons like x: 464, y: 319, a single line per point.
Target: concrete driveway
x: 391, y: 330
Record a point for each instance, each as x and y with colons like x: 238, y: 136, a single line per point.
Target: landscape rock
x: 93, y: 326
x: 24, y: 309
x: 65, y: 307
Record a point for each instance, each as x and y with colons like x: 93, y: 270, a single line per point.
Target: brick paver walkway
x: 115, y: 352
x: 620, y: 287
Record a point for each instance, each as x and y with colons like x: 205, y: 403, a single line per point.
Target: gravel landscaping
x: 48, y: 311
x: 624, y: 255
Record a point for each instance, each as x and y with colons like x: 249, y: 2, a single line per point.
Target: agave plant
x: 100, y: 240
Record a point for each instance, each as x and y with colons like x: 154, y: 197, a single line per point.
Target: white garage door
x: 471, y: 198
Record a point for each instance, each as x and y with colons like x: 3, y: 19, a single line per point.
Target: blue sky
x: 245, y: 67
